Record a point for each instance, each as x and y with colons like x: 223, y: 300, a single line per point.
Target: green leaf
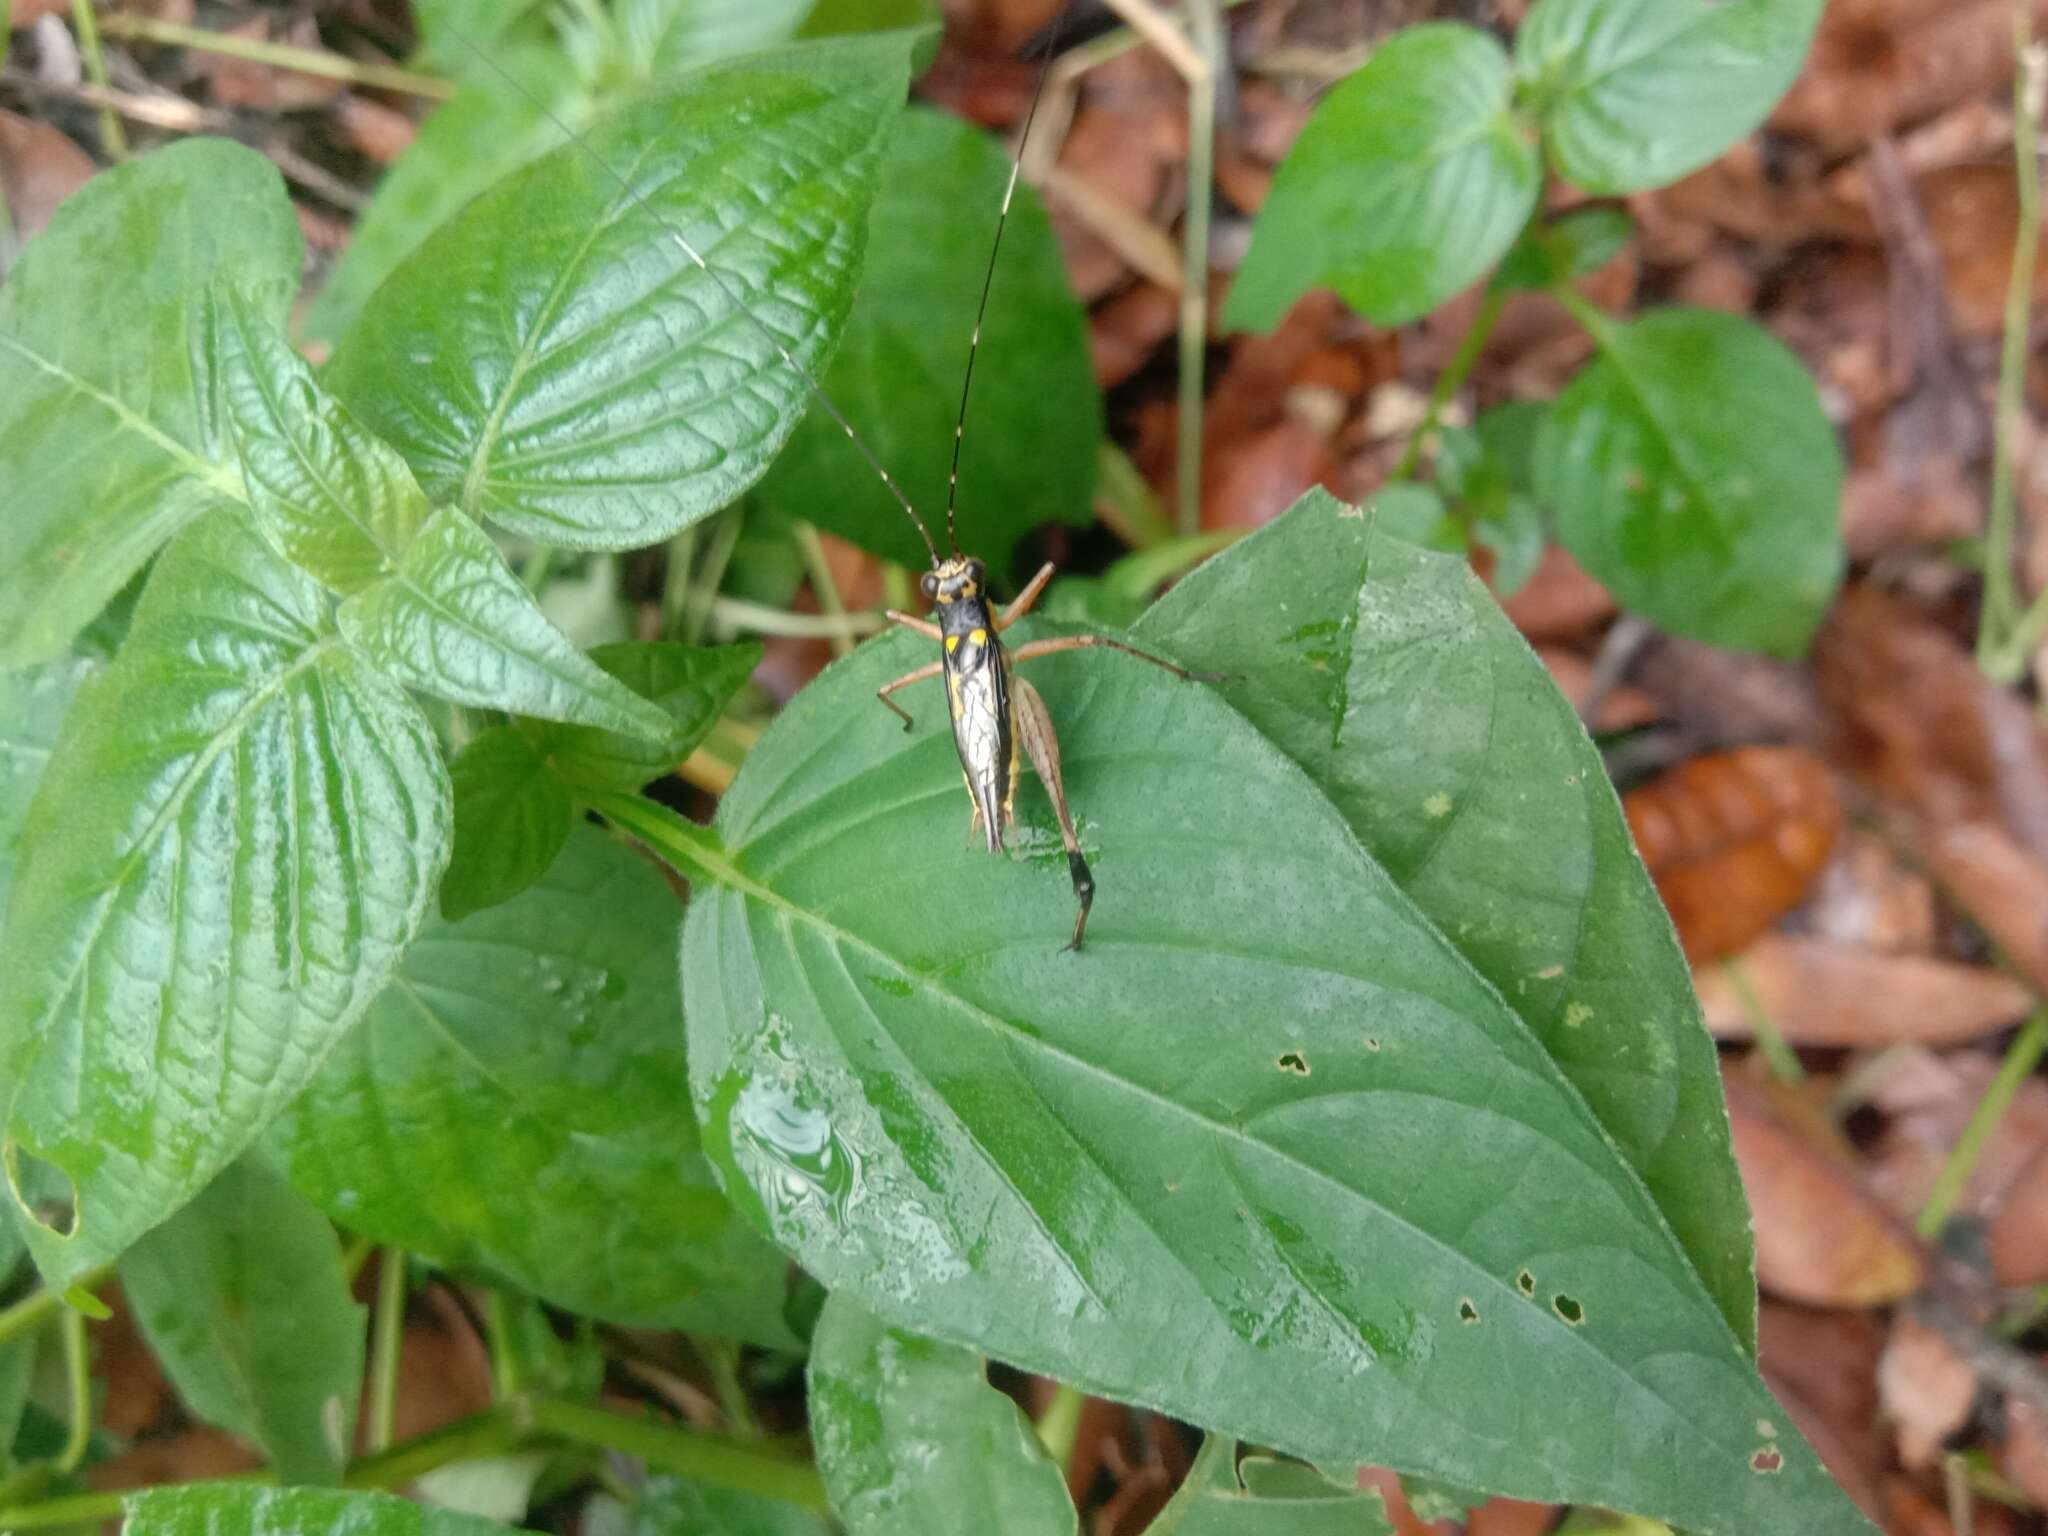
x: 239, y: 831
x: 1394, y: 680
x: 676, y: 35
x: 243, y: 1298
x: 1637, y: 93
x: 339, y: 502
x: 1269, y: 1155
x: 1570, y: 246
x: 453, y: 621
x: 1264, y: 1497
x: 33, y: 703
x: 1410, y: 180
x: 674, y: 1506
x: 110, y: 437
x: 1692, y: 471
x: 17, y: 1377
x: 239, y: 1509
x: 512, y: 816
x: 690, y: 684
x: 1030, y: 449
x: 554, y: 360
x: 913, y: 1441
x: 512, y: 1105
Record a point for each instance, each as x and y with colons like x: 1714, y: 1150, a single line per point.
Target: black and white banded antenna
x: 717, y: 278
x: 988, y: 278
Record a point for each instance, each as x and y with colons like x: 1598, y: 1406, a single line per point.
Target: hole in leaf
x: 43, y: 1191
x: 1293, y: 1061
x: 1526, y: 1282
x: 1467, y: 1313
x: 1769, y: 1459
x: 1372, y: 1042
x: 1568, y: 1309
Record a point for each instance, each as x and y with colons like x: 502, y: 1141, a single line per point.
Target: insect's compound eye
x: 928, y: 584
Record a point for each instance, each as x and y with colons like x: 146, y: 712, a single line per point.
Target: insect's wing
x: 977, y: 687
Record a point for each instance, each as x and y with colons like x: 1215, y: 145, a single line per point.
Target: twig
x: 1156, y: 27
x: 157, y: 110
x: 1206, y: 25
x: 113, y: 137
x: 823, y: 587
x: 737, y: 615
x: 305, y: 61
x: 1470, y: 345
x: 385, y: 1341
x: 1129, y: 234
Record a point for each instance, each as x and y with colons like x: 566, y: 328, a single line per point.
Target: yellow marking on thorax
x: 978, y: 637
x: 952, y: 644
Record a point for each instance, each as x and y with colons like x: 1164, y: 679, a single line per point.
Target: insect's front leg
x: 931, y: 669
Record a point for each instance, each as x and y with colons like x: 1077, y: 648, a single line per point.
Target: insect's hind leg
x: 1034, y: 726
x: 931, y: 670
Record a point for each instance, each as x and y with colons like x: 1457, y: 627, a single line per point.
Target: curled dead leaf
x: 1927, y: 1387
x: 1827, y: 994
x: 1560, y: 601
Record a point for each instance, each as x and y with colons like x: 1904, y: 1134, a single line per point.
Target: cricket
x: 994, y: 713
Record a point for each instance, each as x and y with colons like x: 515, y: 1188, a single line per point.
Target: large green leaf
x: 33, y: 703
x: 453, y: 621
x: 110, y: 439
x: 1392, y: 677
x: 339, y: 502
x: 674, y: 1506
x: 243, y: 1297
x: 555, y: 360
x: 675, y: 35
x: 512, y: 816
x: 1637, y: 93
x: 1692, y: 470
x: 1268, y: 1154
x: 690, y: 684
x: 238, y: 833
x: 1264, y: 1497
x: 238, y: 1509
x: 913, y: 1441
x: 514, y: 1104
x: 1408, y: 183
x: 1036, y: 424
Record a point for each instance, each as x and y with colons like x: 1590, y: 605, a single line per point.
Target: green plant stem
x: 36, y: 1308
x: 1777, y: 1051
x: 113, y: 135
x: 704, y: 585
x: 538, y: 566
x: 727, y: 1463
x: 736, y: 613
x: 385, y: 1339
x: 306, y: 61
x: 1205, y: 26
x: 78, y: 1378
x: 2004, y: 640
x: 1060, y: 1425
x: 1452, y: 379
x: 721, y: 1359
x: 2021, y: 1057
x: 823, y: 587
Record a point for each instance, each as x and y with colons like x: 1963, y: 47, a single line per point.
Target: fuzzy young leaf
x: 1394, y: 680
x: 240, y: 1509
x: 511, y: 1106
x: 453, y: 621
x: 237, y: 834
x: 243, y: 1298
x: 1691, y: 470
x: 1408, y: 183
x: 1637, y: 93
x: 1264, y: 1497
x: 339, y: 502
x: 690, y: 684
x: 110, y: 437
x: 913, y: 1441
x: 1029, y: 453
x: 1269, y: 1154
x: 512, y: 816
x: 554, y: 360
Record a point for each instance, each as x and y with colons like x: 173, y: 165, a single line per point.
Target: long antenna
x: 731, y: 296
x: 1052, y: 44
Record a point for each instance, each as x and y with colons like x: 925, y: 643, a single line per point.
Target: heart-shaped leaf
x: 1637, y: 93
x: 1392, y: 677
x: 240, y: 1509
x: 1667, y: 487
x: 454, y: 622
x: 691, y: 684
x: 512, y: 816
x: 1264, y: 1497
x: 555, y: 360
x: 243, y: 1297
x: 1029, y: 453
x: 913, y: 1441
x: 238, y: 833
x: 511, y: 1105
x: 339, y: 502
x: 1409, y: 182
x: 110, y: 437
x: 1268, y: 1155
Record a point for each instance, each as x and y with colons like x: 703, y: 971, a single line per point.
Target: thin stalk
x: 388, y: 1332
x: 714, y: 1459
x: 736, y: 613
x: 1452, y: 379
x: 78, y: 1377
x: 113, y: 135
x: 2021, y: 1057
x: 721, y: 1359
x: 823, y: 587
x: 1060, y: 1425
x: 697, y: 602
x: 1777, y: 1051
x: 1205, y: 25
x: 36, y: 1308
x: 504, y: 1359
x: 305, y: 61
x: 538, y: 566
x: 494, y: 1432
x: 675, y: 582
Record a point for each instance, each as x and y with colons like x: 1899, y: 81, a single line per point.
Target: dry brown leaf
x: 1927, y: 1388
x: 1734, y: 840
x: 28, y: 12
x: 2001, y: 885
x: 1623, y: 707
x: 1253, y: 479
x: 1559, y: 602
x: 1822, y: 1366
x: 123, y: 1360
x: 2024, y: 1457
x: 1511, y: 1517
x: 39, y: 168
x: 1827, y: 994
x: 2018, y: 1235
x: 264, y: 87
x: 1125, y: 331
x: 1867, y: 896
x: 1821, y: 1237
x: 191, y: 1455
x: 378, y: 132
x: 1927, y: 1099
x: 1973, y: 215
x: 1885, y: 508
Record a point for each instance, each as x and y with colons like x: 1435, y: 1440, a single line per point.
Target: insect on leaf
x: 110, y: 435
x: 237, y: 834
x: 552, y: 359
